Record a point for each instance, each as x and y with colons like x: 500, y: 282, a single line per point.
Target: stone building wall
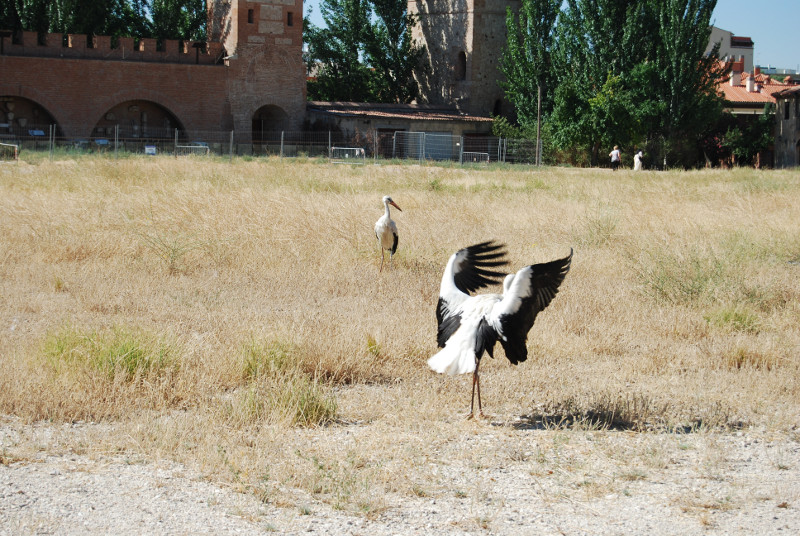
x: 787, y: 128
x: 464, y: 41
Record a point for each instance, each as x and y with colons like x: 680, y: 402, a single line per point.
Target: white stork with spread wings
x: 470, y: 325
x: 386, y: 231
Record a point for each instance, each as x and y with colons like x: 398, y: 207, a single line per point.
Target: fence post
x: 282, y: 144
x: 540, y: 145
x: 116, y: 140
x: 230, y: 149
x: 51, y: 139
x: 175, y: 149
x: 461, y: 151
x: 329, y: 144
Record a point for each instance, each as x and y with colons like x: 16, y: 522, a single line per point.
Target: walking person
x: 616, y: 157
x: 637, y: 161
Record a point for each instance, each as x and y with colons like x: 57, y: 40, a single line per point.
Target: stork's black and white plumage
x: 386, y: 231
x: 470, y: 325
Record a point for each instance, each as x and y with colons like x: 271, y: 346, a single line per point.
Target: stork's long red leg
x: 476, y: 383
x: 472, y: 401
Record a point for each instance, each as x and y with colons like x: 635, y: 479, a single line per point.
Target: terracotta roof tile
x: 738, y: 94
x: 787, y: 91
x: 396, y: 111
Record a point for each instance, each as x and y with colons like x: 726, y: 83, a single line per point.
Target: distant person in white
x: 637, y: 161
x: 616, y: 157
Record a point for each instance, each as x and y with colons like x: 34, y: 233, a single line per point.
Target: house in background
x: 732, y: 47
x: 787, y: 126
x: 747, y: 96
x: 747, y: 92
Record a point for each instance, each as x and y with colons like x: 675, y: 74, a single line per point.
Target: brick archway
x: 19, y: 115
x: 269, y: 118
x: 137, y: 118
x: 151, y: 99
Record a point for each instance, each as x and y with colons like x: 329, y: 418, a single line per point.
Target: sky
x: 771, y: 24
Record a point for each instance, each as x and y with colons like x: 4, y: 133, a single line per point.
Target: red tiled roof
x: 738, y: 94
x: 786, y: 92
x: 395, y: 111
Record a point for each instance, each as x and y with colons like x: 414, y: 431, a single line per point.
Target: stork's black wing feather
x: 532, y: 290
x: 467, y: 270
x: 448, y: 323
x: 473, y: 266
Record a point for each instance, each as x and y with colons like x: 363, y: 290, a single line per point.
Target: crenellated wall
x: 98, y: 47
x: 249, y: 75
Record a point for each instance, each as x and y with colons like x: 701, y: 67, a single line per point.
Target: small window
x: 461, y: 66
x: 786, y: 110
x: 290, y: 19
x: 250, y: 16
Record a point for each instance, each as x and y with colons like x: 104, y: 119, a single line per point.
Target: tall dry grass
x: 223, y: 313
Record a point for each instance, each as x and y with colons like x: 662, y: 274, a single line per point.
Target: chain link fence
x: 374, y: 145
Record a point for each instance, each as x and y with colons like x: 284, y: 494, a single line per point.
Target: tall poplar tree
x: 527, y: 61
x: 628, y: 72
x: 365, y: 53
x: 392, y: 53
x: 334, y: 53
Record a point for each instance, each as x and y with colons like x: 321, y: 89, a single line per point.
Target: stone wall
x: 464, y: 41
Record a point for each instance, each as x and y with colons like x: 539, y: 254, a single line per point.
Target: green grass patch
x: 267, y: 358
x: 734, y: 318
x: 120, y: 352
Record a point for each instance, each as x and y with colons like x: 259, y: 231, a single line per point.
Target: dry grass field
x: 231, y: 316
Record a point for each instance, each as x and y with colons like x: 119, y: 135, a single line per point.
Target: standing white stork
x: 386, y: 231
x: 470, y: 325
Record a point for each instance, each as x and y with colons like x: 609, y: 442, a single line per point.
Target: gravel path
x: 743, y: 483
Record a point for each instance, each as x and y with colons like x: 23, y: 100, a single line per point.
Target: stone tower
x: 266, y: 78
x: 464, y: 41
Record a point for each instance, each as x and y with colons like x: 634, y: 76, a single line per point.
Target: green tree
x: 335, y: 53
x: 392, y: 53
x: 597, y: 45
x: 634, y: 72
x: 688, y: 78
x: 29, y: 15
x: 179, y: 19
x: 165, y: 19
x: 748, y: 138
x: 527, y: 58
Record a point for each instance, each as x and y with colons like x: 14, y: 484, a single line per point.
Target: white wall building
x: 732, y: 47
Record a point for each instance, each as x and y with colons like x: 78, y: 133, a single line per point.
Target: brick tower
x: 464, y: 41
x: 263, y: 43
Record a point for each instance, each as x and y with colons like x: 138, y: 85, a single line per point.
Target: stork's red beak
x: 395, y: 206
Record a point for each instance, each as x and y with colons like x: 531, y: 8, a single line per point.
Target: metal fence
x: 375, y: 145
